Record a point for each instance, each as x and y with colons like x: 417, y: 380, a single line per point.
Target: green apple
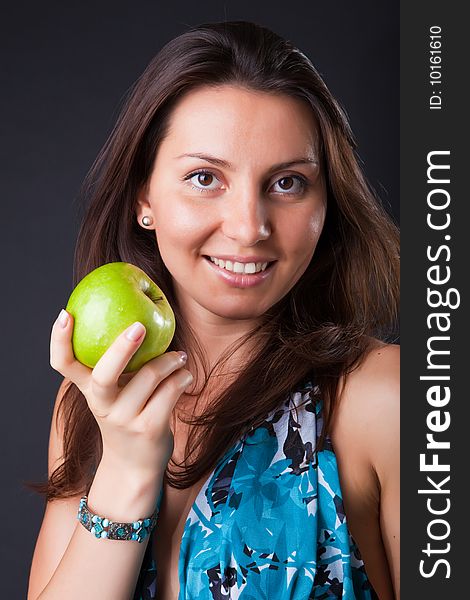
x: 107, y: 301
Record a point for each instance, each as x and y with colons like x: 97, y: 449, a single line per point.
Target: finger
x: 136, y: 393
x: 161, y: 403
x: 62, y: 358
x: 109, y: 368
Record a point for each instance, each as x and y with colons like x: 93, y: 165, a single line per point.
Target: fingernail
x: 63, y: 318
x: 183, y: 356
x: 135, y: 332
x: 188, y: 379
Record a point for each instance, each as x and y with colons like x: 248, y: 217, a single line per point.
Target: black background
x: 424, y: 131
x: 65, y: 69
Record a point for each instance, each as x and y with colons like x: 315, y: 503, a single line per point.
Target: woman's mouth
x: 238, y: 274
x: 237, y: 267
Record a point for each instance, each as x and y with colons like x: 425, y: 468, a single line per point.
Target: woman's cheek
x: 176, y: 221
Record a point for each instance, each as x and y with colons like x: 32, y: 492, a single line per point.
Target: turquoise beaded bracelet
x: 103, y: 528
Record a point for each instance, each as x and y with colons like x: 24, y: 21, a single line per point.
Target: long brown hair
x: 321, y: 328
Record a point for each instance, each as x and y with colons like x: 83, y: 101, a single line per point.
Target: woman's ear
x: 144, y: 211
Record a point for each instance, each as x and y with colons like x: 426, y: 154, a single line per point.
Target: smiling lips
x: 241, y: 273
x: 241, y: 264
x: 239, y: 267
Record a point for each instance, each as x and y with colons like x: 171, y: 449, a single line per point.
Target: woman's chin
x: 235, y: 312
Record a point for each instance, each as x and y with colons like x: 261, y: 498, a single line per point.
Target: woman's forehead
x: 234, y: 120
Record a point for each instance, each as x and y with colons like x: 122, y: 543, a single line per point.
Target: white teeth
x: 237, y: 267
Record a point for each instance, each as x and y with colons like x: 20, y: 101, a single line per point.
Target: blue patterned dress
x: 269, y: 522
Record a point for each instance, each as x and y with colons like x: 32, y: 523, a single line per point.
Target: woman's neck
x: 216, y: 334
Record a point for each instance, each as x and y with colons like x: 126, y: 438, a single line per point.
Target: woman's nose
x: 246, y: 219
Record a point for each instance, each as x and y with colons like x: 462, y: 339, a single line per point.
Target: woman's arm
x: 366, y: 439
x: 384, y: 451
x: 68, y: 561
x: 134, y: 422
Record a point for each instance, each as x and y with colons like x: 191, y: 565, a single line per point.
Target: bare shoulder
x: 377, y: 376
x: 365, y: 436
x: 369, y: 405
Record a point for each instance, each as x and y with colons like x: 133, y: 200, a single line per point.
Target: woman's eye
x: 206, y: 181
x: 202, y: 181
x: 291, y: 184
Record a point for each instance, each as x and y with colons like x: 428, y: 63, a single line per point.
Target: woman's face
x: 236, y: 184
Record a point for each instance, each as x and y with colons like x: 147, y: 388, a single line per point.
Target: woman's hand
x: 134, y: 420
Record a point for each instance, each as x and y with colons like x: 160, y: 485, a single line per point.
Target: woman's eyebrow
x: 220, y: 162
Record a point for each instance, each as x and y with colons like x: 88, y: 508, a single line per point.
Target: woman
x: 231, y: 179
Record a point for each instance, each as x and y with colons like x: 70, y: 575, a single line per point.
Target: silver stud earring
x: 146, y: 221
